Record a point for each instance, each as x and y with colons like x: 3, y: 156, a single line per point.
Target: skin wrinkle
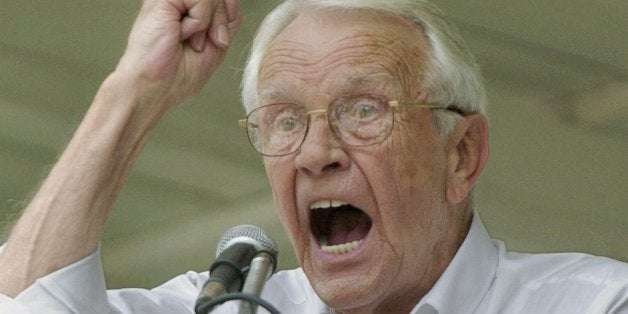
x: 369, y: 49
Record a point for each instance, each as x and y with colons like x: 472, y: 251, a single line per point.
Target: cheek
x: 414, y: 174
x: 416, y: 156
x: 281, y: 182
x: 281, y: 176
x: 421, y: 164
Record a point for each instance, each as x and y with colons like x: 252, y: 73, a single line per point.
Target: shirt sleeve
x: 80, y: 288
x: 77, y: 288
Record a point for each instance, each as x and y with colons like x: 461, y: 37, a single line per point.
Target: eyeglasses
x: 356, y: 120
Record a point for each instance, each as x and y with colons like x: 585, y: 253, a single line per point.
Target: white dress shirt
x: 482, y: 278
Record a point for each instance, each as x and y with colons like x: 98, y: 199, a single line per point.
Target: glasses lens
x: 277, y: 129
x: 361, y: 120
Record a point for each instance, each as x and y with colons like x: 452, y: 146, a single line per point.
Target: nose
x: 321, y: 152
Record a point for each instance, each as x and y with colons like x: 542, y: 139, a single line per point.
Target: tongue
x: 347, y: 225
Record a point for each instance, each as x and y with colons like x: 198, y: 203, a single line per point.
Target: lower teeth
x: 340, y: 248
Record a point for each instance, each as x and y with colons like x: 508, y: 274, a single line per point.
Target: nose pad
x: 321, y: 152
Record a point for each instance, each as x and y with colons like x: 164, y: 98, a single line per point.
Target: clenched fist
x: 176, y: 45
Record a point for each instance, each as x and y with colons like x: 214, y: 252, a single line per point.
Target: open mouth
x: 338, y: 226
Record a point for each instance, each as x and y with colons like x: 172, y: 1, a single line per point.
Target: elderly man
x: 370, y: 118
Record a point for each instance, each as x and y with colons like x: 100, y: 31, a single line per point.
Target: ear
x: 468, y: 152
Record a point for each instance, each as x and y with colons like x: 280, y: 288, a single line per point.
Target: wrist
x: 128, y: 95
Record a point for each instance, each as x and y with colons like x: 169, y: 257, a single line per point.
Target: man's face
x: 388, y: 200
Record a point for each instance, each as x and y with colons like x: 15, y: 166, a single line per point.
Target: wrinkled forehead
x: 326, y: 51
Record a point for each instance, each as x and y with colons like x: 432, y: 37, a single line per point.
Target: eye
x: 351, y: 112
x: 365, y: 110
x: 287, y: 118
x: 286, y: 124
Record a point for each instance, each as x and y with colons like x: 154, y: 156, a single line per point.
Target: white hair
x: 452, y: 76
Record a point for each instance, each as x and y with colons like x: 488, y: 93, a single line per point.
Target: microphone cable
x: 253, y: 299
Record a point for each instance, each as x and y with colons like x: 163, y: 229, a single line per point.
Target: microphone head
x: 247, y: 234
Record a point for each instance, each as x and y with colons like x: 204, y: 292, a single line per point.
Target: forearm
x: 65, y: 220
x: 173, y: 49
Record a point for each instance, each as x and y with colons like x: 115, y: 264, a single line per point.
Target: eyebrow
x: 362, y: 80
x: 275, y: 91
x: 290, y: 91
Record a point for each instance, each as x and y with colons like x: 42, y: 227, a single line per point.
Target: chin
x: 350, y: 293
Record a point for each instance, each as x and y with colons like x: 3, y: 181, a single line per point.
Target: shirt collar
x: 467, y: 279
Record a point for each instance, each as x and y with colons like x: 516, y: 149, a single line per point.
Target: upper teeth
x: 327, y: 204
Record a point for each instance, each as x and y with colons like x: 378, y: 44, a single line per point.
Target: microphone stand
x: 262, y: 267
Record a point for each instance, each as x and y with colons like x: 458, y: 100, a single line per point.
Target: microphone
x: 234, y: 253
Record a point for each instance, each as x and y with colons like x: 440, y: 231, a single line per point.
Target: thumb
x: 219, y: 32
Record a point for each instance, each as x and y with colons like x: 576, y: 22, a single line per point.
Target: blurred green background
x: 556, y: 73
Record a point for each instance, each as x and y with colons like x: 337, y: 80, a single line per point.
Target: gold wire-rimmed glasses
x: 355, y: 120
